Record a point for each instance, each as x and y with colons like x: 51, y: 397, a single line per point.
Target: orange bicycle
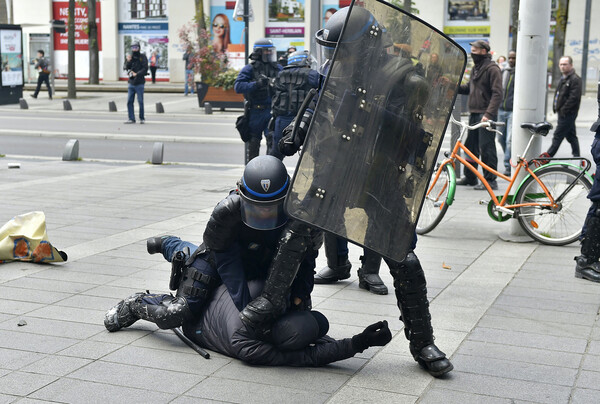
x: 550, y: 202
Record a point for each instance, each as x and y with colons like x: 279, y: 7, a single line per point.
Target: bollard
x: 157, y: 153
x: 23, y: 103
x: 112, y: 106
x: 71, y: 152
x: 159, y: 108
x: 207, y: 108
x: 67, y: 105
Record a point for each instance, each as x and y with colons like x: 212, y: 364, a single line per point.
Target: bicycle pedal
x: 483, y: 202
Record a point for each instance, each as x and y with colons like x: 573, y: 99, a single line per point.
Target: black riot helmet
x: 262, y: 189
x: 264, y: 50
x: 298, y: 59
x: 362, y: 26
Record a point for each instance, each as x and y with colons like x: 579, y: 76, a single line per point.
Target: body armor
x: 291, y: 87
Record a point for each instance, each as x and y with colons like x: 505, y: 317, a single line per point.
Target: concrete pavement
x: 518, y: 326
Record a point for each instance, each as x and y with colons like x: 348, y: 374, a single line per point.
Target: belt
x: 260, y: 106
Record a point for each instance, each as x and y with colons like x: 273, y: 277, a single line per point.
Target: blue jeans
x: 506, y: 138
x: 172, y: 244
x: 281, y: 122
x: 189, y: 74
x: 132, y: 90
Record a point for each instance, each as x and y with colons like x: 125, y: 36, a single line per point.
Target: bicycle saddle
x: 540, y: 128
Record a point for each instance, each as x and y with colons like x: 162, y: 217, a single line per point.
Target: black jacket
x: 508, y: 89
x: 220, y: 329
x: 139, y: 65
x: 568, y: 95
x: 484, y: 89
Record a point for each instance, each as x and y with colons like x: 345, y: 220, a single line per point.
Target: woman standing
x: 153, y: 65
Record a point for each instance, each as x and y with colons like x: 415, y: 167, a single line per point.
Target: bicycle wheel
x: 436, y: 201
x: 554, y: 226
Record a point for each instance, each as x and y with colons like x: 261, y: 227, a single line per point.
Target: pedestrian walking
x: 566, y: 105
x: 43, y: 68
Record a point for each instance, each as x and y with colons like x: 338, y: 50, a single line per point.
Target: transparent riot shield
x: 377, y: 129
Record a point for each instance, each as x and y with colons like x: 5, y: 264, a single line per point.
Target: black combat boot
x: 368, y: 274
x: 588, y: 266
x: 338, y: 267
x: 154, y: 244
x: 252, y: 148
x: 411, y: 292
x: 121, y: 315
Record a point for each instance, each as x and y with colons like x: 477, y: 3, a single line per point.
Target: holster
x: 177, y: 265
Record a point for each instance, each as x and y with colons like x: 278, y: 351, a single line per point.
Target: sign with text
x: 60, y: 11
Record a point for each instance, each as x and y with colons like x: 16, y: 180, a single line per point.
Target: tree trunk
x: 199, y: 17
x: 93, y: 43
x: 514, y: 29
x: 560, y: 30
x: 71, y: 90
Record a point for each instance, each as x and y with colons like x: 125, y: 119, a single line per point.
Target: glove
x: 286, y: 145
x: 377, y: 334
x: 262, y: 81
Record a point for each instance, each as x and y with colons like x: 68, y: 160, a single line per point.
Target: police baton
x: 191, y: 343
x: 300, y: 114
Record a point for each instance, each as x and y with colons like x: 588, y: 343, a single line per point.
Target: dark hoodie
x: 484, y: 88
x: 138, y: 64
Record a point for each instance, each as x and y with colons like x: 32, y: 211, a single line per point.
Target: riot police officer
x: 247, y: 235
x: 409, y: 278
x: 587, y: 266
x: 254, y: 81
x: 291, y: 87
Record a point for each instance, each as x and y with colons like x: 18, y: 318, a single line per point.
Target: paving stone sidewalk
x: 517, y: 324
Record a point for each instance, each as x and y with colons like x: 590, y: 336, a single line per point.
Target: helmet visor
x: 263, y: 215
x: 268, y: 53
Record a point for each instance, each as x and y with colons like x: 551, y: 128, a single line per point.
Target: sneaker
x: 466, y: 181
x: 129, y: 121
x: 142, y: 121
x: 480, y: 187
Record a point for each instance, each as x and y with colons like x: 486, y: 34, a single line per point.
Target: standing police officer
x: 409, y: 87
x: 291, y: 87
x: 588, y: 266
x: 254, y: 82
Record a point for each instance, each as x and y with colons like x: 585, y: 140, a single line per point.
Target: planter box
x: 218, y: 97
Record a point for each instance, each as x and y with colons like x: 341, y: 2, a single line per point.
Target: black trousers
x: 481, y: 142
x: 153, y: 73
x: 43, y: 78
x: 565, y: 128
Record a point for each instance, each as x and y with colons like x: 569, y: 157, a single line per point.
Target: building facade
x: 156, y: 25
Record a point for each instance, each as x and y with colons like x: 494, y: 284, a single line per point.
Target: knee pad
x: 171, y: 314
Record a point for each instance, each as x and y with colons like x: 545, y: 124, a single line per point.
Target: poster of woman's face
x: 220, y: 33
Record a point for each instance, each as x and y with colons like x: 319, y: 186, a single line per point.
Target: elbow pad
x: 224, y: 224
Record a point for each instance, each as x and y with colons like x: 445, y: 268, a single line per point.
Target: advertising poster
x: 285, y: 24
x: 468, y: 18
x: 152, y: 33
x: 60, y: 11
x: 227, y: 35
x: 12, y: 57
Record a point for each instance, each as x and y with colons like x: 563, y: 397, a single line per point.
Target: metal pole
x: 246, y: 34
x: 530, y: 86
x: 586, y: 40
x: 52, y: 59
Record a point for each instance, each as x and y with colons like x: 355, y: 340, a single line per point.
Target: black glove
x: 289, y: 146
x: 377, y: 334
x: 262, y: 81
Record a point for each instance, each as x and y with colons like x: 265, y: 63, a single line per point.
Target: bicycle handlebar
x: 489, y: 125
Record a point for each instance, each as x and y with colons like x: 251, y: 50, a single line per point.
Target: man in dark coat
x: 137, y: 67
x: 298, y: 338
x: 566, y: 104
x: 485, y: 94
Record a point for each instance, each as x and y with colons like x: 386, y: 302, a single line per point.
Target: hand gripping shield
x: 377, y: 129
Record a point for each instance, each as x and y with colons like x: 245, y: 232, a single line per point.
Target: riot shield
x: 377, y: 129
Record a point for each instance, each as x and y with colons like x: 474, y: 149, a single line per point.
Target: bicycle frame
x: 522, y: 163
